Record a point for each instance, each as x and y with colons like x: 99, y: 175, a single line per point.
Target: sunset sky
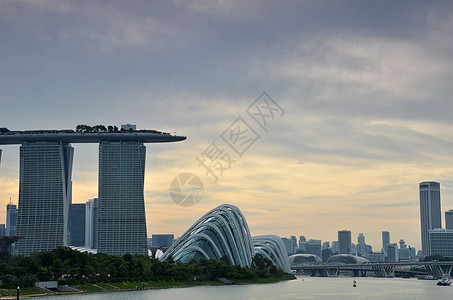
x: 365, y: 87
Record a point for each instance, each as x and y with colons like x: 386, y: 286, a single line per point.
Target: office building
x: 11, y: 219
x: 344, y: 241
x: 91, y: 224
x: 162, y: 240
x: 2, y: 230
x: 302, y: 241
x: 121, y: 206
x: 441, y: 242
x: 325, y: 245
x: 288, y: 245
x: 313, y: 247
x: 335, y: 247
x: 449, y: 219
x: 392, y: 252
x: 44, y: 196
x: 430, y: 211
x: 385, y: 240
x: 361, y: 246
x: 76, y: 225
x: 294, y: 241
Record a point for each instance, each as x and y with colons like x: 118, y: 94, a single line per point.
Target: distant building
x: 313, y: 247
x: 288, y: 245
x: 392, y: 252
x: 91, y: 224
x: 294, y: 241
x: 302, y: 241
x: 385, y: 240
x: 162, y: 240
x: 45, y: 189
x: 361, y: 246
x: 430, y: 211
x: 449, y: 219
x: 11, y: 219
x: 375, y: 257
x: 335, y: 247
x: 76, y: 225
x: 2, y: 230
x: 441, y: 242
x: 325, y: 245
x: 368, y: 249
x: 344, y: 241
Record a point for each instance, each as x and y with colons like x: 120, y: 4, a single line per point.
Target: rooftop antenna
x: 10, y: 201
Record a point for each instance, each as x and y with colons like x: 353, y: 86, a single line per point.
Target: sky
x: 364, y: 91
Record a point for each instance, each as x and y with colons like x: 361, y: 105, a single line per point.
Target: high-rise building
x: 288, y: 245
x: 294, y: 241
x: 385, y: 240
x: 121, y: 212
x: 76, y: 227
x: 430, y: 212
x: 325, y: 245
x: 44, y: 196
x: 449, y: 219
x: 313, y: 247
x: 361, y: 246
x: 11, y: 219
x: 302, y: 241
x: 162, y: 240
x: 344, y: 241
x: 335, y: 247
x: 441, y: 242
x: 392, y: 252
x: 91, y: 224
x: 2, y: 230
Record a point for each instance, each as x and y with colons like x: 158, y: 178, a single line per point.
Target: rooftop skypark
x: 87, y: 134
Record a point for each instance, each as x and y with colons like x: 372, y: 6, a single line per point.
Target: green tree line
x: 73, y: 267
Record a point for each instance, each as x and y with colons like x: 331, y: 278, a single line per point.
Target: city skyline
x: 365, y: 87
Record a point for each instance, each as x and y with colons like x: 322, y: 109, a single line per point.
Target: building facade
x: 76, y: 223
x: 44, y: 196
x: 11, y: 219
x: 441, y: 242
x: 430, y: 211
x: 121, y: 212
x: 344, y: 242
x: 162, y: 240
x: 91, y: 224
x: 449, y: 219
x: 392, y: 252
x: 385, y: 240
x: 313, y: 246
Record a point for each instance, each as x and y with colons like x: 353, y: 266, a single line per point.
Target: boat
x: 445, y: 281
x: 354, y: 283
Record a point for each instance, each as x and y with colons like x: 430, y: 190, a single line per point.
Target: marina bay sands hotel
x: 45, y: 186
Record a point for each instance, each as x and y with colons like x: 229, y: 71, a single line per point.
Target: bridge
x: 436, y: 269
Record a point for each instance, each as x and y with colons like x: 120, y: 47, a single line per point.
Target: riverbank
x: 141, y: 285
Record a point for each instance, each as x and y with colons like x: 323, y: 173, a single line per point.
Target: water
x: 338, y: 288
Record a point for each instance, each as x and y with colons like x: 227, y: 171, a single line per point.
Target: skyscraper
x: 91, y: 224
x: 449, y: 219
x: 430, y: 213
x: 344, y: 241
x: 361, y: 246
x: 44, y: 196
x: 313, y: 247
x: 11, y: 219
x: 77, y: 225
x: 385, y: 240
x: 121, y: 214
x: 392, y: 252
